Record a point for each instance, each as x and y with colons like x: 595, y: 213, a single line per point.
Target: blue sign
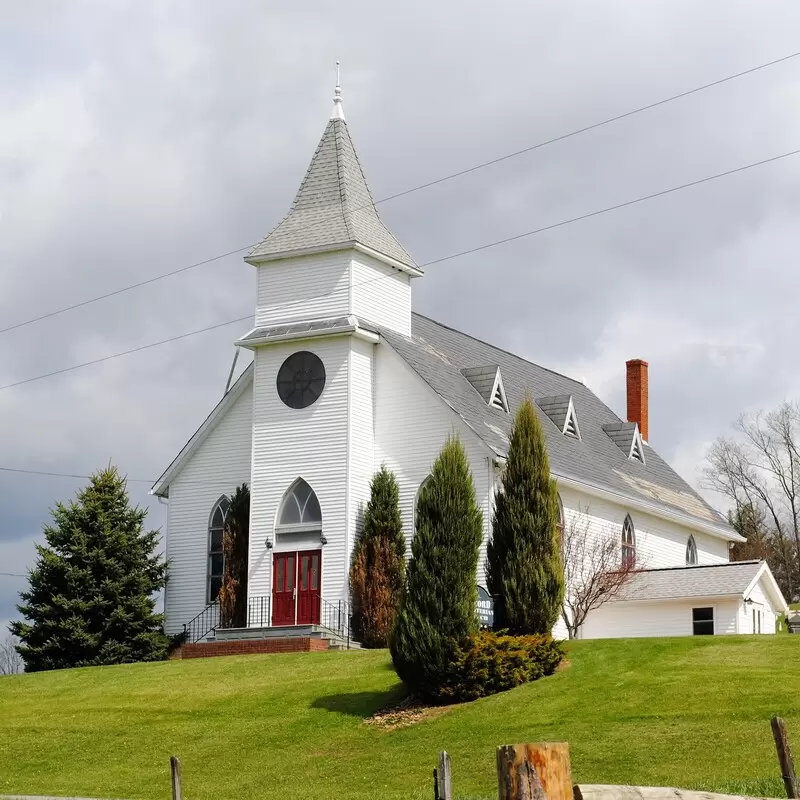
x: 485, y: 608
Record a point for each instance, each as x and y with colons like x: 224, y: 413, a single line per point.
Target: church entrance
x: 296, y: 581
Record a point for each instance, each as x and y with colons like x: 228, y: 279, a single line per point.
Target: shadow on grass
x: 360, y: 704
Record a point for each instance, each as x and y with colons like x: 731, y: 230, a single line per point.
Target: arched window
x: 300, y: 511
x: 628, y: 543
x: 560, y: 520
x: 691, y: 552
x: 216, y: 558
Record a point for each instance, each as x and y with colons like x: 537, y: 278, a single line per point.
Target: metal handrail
x: 336, y: 618
x: 200, y: 626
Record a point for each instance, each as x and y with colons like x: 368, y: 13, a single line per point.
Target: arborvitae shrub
x: 524, y: 572
x: 438, y: 608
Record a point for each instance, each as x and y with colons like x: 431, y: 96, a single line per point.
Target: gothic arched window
x: 691, y: 552
x: 216, y: 557
x: 300, y: 509
x: 628, y: 543
x: 416, y: 501
x: 561, y: 522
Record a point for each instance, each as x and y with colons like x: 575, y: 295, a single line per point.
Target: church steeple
x: 333, y: 208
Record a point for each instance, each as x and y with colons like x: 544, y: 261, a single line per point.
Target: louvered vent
x: 488, y: 383
x: 627, y: 437
x: 637, y: 453
x: 561, y: 411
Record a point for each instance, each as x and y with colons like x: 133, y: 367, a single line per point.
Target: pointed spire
x: 338, y: 110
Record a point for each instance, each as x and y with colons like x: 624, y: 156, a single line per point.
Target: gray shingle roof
x: 439, y: 354
x: 556, y: 408
x: 333, y: 206
x: 708, y: 581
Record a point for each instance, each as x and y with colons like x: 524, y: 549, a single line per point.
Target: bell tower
x: 330, y: 277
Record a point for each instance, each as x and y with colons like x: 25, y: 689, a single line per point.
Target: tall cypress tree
x: 90, y: 598
x: 235, y: 544
x: 376, y: 574
x: 438, y: 608
x: 524, y: 572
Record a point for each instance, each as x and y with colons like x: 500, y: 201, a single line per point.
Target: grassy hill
x: 690, y: 712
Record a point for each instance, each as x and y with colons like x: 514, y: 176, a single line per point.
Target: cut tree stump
x: 534, y: 772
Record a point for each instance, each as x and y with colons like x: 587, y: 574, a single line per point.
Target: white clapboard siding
x: 216, y: 468
x: 658, y: 618
x: 761, y: 603
x: 308, y: 287
x: 411, y: 424
x: 361, y: 437
x: 659, y: 543
x: 310, y: 443
x: 381, y: 294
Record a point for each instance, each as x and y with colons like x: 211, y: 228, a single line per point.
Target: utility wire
x: 479, y: 248
x: 64, y: 475
x: 13, y: 575
x: 418, y: 188
x: 126, y: 352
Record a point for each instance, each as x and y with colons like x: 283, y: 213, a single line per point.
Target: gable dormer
x: 560, y: 409
x: 627, y: 437
x: 488, y: 383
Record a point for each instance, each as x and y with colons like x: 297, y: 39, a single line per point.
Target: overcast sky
x: 138, y: 137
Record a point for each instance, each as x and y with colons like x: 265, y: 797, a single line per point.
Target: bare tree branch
x: 10, y: 659
x: 593, y: 570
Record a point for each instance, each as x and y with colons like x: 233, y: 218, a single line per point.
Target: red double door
x: 296, y: 581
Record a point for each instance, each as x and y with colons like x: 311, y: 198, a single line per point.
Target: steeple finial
x: 338, y: 111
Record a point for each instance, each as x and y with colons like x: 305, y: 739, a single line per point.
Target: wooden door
x: 309, y: 579
x: 284, y: 583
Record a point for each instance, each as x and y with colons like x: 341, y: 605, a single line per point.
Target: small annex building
x: 346, y: 376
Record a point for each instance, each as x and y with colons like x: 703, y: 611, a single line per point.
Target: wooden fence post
x: 442, y: 787
x: 534, y: 772
x: 785, y: 758
x: 175, y: 769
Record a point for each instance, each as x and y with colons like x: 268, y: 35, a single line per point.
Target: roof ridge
x: 500, y: 349
x: 337, y: 140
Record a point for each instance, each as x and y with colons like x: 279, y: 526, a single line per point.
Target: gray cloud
x: 139, y: 137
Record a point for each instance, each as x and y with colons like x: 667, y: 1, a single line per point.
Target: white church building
x: 346, y: 377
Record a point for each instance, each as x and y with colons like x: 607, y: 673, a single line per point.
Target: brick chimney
x: 636, y: 385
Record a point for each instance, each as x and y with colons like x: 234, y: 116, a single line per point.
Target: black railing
x: 336, y: 618
x: 203, y: 624
x: 258, y: 612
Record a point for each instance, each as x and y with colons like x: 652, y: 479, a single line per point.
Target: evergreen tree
x: 376, y: 575
x: 438, y: 608
x: 235, y: 544
x: 90, y: 598
x: 524, y: 572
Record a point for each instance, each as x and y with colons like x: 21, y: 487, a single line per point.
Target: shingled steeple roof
x: 333, y: 207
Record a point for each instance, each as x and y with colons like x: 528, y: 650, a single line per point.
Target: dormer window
x: 627, y: 437
x: 560, y: 410
x: 488, y: 383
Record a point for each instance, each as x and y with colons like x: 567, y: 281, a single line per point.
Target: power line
x: 418, y: 188
x: 13, y: 575
x: 65, y: 475
x: 497, y: 242
x: 126, y: 352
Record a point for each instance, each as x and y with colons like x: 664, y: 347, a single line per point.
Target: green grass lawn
x: 690, y: 712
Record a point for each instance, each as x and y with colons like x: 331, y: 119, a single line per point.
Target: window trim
x: 691, y: 552
x: 223, y: 503
x: 713, y: 620
x: 628, y: 544
x: 313, y: 526
x: 425, y: 481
